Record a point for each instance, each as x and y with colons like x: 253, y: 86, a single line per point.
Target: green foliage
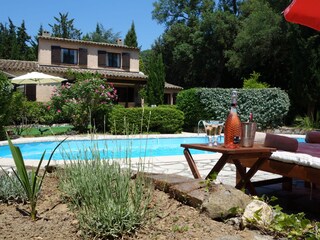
x: 160, y: 119
x: 64, y: 28
x: 102, y: 35
x: 84, y: 104
x: 15, y: 42
x: 253, y: 81
x: 308, y: 123
x: 154, y: 68
x: 31, y: 185
x: 11, y: 189
x: 269, y: 106
x: 188, y: 102
x: 131, y: 37
x: 5, y: 98
x: 23, y: 114
x: 294, y: 226
x: 108, y: 202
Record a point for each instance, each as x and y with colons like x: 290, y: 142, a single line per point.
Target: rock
x: 258, y: 214
x: 222, y: 200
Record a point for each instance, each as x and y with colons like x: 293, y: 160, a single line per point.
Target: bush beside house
x: 269, y: 106
x: 161, y: 119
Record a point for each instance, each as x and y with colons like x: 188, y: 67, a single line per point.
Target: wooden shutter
x: 102, y: 61
x: 126, y: 61
x: 83, y: 59
x: 55, y: 55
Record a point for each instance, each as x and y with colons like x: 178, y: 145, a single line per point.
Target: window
x: 69, y: 56
x: 114, y: 60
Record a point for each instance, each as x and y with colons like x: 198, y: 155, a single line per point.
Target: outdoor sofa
x: 292, y: 160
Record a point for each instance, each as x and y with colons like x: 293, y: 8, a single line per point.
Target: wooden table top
x: 257, y: 148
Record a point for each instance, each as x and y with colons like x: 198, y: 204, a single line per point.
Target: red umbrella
x: 304, y: 12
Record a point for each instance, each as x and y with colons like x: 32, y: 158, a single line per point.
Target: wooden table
x: 258, y: 154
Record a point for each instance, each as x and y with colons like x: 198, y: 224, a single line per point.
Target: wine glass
x: 219, y: 130
x: 213, y: 129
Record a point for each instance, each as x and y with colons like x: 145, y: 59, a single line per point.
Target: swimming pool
x: 109, y: 148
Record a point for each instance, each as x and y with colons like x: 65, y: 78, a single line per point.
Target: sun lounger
x: 292, y: 160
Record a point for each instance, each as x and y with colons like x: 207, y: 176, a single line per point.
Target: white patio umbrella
x: 36, y: 78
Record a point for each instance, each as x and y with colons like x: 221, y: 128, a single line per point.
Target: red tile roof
x: 30, y: 66
x: 87, y: 42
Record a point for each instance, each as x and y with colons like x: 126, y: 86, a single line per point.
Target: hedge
x: 269, y: 105
x: 161, y: 119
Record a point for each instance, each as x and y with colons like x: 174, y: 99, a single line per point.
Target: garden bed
x: 167, y: 219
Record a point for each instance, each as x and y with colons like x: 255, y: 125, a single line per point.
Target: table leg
x: 191, y: 163
x: 219, y: 165
x: 245, y: 182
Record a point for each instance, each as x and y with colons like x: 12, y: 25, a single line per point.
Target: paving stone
x: 164, y: 181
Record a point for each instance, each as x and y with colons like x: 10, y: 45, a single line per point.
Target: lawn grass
x: 44, y: 131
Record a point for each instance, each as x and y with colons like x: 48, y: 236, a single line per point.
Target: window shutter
x: 55, y: 55
x: 83, y: 59
x: 126, y: 61
x: 102, y: 58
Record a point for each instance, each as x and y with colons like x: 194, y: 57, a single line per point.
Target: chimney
x: 46, y: 33
x: 119, y: 42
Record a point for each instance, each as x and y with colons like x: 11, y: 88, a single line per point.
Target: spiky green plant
x: 31, y: 185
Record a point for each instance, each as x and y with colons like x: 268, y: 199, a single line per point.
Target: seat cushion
x: 313, y: 137
x: 281, y: 142
x: 312, y: 149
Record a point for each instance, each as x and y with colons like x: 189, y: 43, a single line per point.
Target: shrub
x: 188, y: 102
x: 107, y: 200
x: 253, y: 81
x: 84, y: 103
x: 269, y: 106
x: 5, y: 98
x: 11, y: 189
x: 160, y: 119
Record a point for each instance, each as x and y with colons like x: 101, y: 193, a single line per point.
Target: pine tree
x: 22, y: 39
x: 12, y: 38
x: 64, y: 28
x: 131, y: 37
x: 156, y: 79
x: 102, y: 35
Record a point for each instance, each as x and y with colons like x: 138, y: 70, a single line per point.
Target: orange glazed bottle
x: 232, y: 129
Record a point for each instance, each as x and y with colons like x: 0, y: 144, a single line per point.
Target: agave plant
x: 30, y: 184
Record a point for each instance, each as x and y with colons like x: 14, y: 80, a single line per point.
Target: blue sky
x: 117, y: 15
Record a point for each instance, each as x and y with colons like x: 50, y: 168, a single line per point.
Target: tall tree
x: 4, y: 41
x: 64, y: 28
x: 154, y: 68
x: 131, y: 37
x: 12, y: 37
x: 23, y: 39
x: 102, y: 35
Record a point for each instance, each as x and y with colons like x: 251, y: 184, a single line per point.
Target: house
x: 118, y: 63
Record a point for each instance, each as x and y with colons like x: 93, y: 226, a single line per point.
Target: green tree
x: 131, y: 37
x: 156, y: 79
x: 12, y: 37
x: 102, y: 35
x: 5, y: 98
x: 4, y: 41
x: 23, y: 39
x: 15, y: 42
x: 64, y: 28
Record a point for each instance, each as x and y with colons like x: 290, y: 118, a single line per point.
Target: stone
x: 257, y: 213
x: 222, y: 200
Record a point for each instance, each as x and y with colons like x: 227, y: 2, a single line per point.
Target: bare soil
x: 167, y: 219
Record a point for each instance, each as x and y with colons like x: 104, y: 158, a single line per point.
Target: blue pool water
x: 110, y: 149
